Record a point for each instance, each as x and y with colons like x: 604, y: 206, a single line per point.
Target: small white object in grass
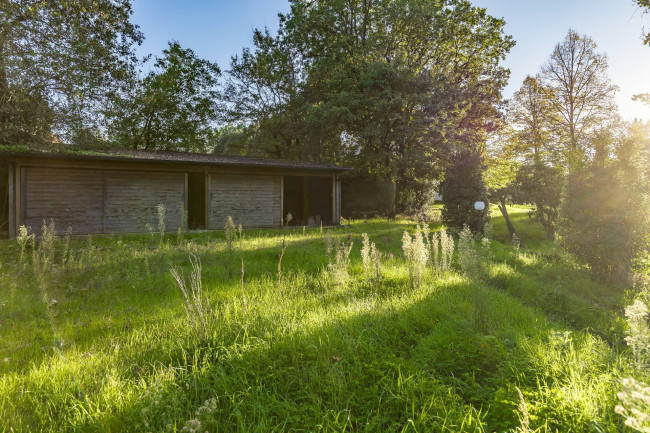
x: 479, y: 205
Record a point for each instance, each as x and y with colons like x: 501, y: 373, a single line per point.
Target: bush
x: 603, y: 218
x: 462, y: 187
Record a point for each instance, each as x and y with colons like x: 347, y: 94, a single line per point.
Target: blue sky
x: 218, y: 29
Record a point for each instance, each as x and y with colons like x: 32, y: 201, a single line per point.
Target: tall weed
x: 371, y: 258
x: 442, y: 250
x: 338, y: 265
x: 229, y: 231
x: 284, y: 248
x: 638, y: 333
x: 416, y: 254
x: 25, y: 239
x: 634, y: 404
x: 196, y: 307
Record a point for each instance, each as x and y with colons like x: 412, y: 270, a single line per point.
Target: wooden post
x: 12, y: 211
x: 185, y: 202
x: 19, y: 199
x: 281, y: 201
x: 305, y: 200
x: 338, y: 200
x: 333, y: 199
x: 103, y: 176
x: 207, y: 200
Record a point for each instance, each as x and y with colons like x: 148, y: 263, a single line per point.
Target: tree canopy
x: 173, y: 107
x: 389, y: 87
x: 579, y: 94
x: 58, y: 62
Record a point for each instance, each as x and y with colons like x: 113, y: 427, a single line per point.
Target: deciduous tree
x: 173, y: 107
x: 579, y: 94
x: 530, y: 139
x: 390, y: 87
x: 645, y: 4
x: 58, y: 61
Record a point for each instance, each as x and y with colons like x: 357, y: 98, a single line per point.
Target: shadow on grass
x: 416, y: 364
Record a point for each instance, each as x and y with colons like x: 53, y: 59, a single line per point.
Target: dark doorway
x: 294, y: 200
x: 308, y: 199
x: 320, y: 199
x: 196, y: 201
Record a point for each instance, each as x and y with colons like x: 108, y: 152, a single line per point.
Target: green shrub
x: 462, y: 187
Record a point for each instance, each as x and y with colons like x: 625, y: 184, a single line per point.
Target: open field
x: 101, y: 341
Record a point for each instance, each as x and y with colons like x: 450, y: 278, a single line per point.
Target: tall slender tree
x: 579, y: 93
x: 530, y: 139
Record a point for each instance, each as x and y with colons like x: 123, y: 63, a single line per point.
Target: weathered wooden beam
x: 305, y: 199
x: 12, y: 210
x: 338, y: 200
x: 281, y: 201
x: 186, y: 202
x: 333, y: 199
x: 208, y: 181
x: 18, y: 183
x: 27, y: 161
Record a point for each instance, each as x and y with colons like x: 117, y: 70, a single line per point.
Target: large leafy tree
x: 173, y: 107
x: 407, y: 82
x: 389, y: 87
x: 58, y: 61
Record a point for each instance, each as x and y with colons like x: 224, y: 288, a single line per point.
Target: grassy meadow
x: 94, y: 336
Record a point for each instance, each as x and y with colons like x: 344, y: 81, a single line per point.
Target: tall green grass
x: 117, y: 352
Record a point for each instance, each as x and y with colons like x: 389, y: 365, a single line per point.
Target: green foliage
x: 173, y: 107
x: 373, y: 87
x: 604, y: 220
x: 59, y: 61
x: 373, y: 357
x: 541, y: 186
x: 463, y: 186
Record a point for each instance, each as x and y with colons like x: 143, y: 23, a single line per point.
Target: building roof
x: 176, y: 157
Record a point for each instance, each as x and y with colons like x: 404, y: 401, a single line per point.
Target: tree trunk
x: 549, y: 227
x: 511, y: 228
